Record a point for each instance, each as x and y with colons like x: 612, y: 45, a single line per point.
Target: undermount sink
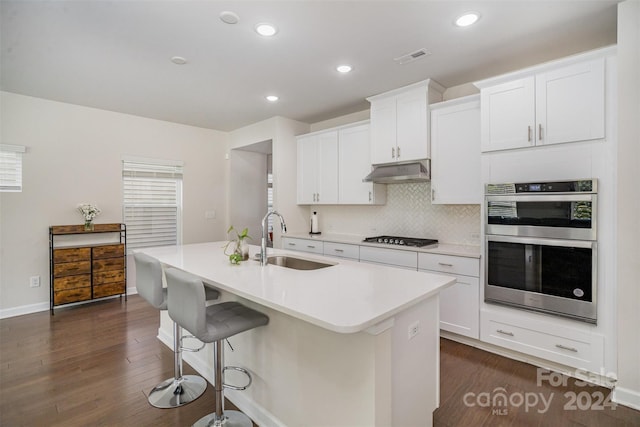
x: 296, y: 263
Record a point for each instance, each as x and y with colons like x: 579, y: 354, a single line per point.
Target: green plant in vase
x: 237, y: 249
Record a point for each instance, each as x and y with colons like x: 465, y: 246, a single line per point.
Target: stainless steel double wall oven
x: 541, y: 247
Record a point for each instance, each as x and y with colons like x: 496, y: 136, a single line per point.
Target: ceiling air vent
x: 413, y: 56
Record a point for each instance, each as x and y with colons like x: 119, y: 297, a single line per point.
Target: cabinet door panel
x: 108, y: 289
x: 71, y: 268
x: 570, y: 103
x: 307, y: 169
x: 71, y: 255
x: 383, y: 130
x: 460, y: 307
x: 455, y: 164
x: 508, y: 115
x: 354, y: 164
x: 327, y: 179
x: 71, y: 282
x: 108, y: 251
x: 108, y: 264
x: 411, y: 128
x: 71, y: 295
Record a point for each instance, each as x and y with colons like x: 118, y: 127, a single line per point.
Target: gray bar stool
x: 181, y: 389
x: 211, y: 324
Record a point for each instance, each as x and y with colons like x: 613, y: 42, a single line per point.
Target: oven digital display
x: 535, y: 187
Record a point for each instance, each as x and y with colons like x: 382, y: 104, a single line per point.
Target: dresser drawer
x: 71, y: 282
x: 449, y: 264
x: 71, y: 255
x: 109, y: 276
x: 108, y: 251
x: 71, y: 268
x: 342, y: 250
x: 304, y: 245
x: 108, y: 289
x: 108, y: 264
x: 71, y: 295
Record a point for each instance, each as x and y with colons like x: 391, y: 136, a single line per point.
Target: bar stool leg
x: 181, y: 389
x: 221, y: 417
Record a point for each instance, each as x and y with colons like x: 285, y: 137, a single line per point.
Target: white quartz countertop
x: 347, y: 297
x: 471, y: 251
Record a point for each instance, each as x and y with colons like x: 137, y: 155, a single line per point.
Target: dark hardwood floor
x: 91, y: 365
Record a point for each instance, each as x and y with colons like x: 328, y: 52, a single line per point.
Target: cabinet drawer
x: 108, y: 251
x: 108, y: 289
x: 108, y: 264
x: 72, y: 295
x: 394, y: 257
x: 573, y: 348
x: 342, y: 250
x: 71, y: 268
x: 71, y: 255
x: 71, y: 282
x: 109, y: 276
x: 304, y: 245
x: 449, y: 264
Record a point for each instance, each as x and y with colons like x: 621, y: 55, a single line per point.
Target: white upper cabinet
x: 353, y: 165
x: 399, y: 122
x: 332, y: 164
x: 548, y: 106
x: 318, y: 168
x: 455, y: 149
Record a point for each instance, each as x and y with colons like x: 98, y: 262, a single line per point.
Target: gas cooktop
x: 401, y: 241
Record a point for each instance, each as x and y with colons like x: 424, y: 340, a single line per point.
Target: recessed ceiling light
x: 466, y: 19
x: 229, y: 17
x: 271, y: 98
x: 343, y: 68
x: 178, y: 60
x: 266, y: 30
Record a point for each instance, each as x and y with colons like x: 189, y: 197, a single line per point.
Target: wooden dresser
x: 87, y: 270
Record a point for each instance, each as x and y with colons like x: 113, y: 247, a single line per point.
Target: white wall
x: 74, y: 155
x: 282, y: 132
x: 628, y: 233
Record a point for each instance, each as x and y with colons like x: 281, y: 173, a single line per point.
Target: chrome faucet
x: 263, y: 245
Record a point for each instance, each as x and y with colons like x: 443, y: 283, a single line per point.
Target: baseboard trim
x: 23, y: 309
x: 627, y: 397
x: 44, y: 306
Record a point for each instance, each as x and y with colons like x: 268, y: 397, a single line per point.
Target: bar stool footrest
x: 235, y: 387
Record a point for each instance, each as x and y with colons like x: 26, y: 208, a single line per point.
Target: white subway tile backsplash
x: 408, y: 212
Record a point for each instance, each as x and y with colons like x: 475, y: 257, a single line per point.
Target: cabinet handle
x: 540, y: 131
x: 317, y: 197
x: 393, y: 152
x: 370, y: 196
x: 291, y: 244
x: 528, y: 133
x: 398, y: 153
x: 311, y: 246
x: 500, y: 331
x: 445, y: 264
x: 339, y: 250
x: 560, y: 346
x: 433, y: 194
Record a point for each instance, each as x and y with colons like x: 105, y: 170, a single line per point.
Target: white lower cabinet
x: 460, y: 303
x: 342, y: 250
x: 392, y: 257
x: 576, y: 347
x: 303, y: 245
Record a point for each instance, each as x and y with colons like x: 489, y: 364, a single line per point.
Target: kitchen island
x: 352, y: 344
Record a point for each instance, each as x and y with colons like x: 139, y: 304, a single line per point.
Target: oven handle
x: 589, y: 244
x: 542, y: 198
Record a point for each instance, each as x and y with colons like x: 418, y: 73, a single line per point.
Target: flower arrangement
x: 89, y: 212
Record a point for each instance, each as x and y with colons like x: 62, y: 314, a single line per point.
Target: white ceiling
x: 115, y: 55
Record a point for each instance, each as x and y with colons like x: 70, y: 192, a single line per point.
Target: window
x: 152, y: 203
x: 11, y: 167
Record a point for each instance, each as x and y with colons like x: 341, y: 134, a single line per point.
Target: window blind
x: 152, y: 201
x: 11, y: 167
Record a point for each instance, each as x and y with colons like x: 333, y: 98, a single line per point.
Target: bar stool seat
x: 215, y: 323
x: 181, y: 389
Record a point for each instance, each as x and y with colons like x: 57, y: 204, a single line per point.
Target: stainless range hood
x: 400, y: 173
